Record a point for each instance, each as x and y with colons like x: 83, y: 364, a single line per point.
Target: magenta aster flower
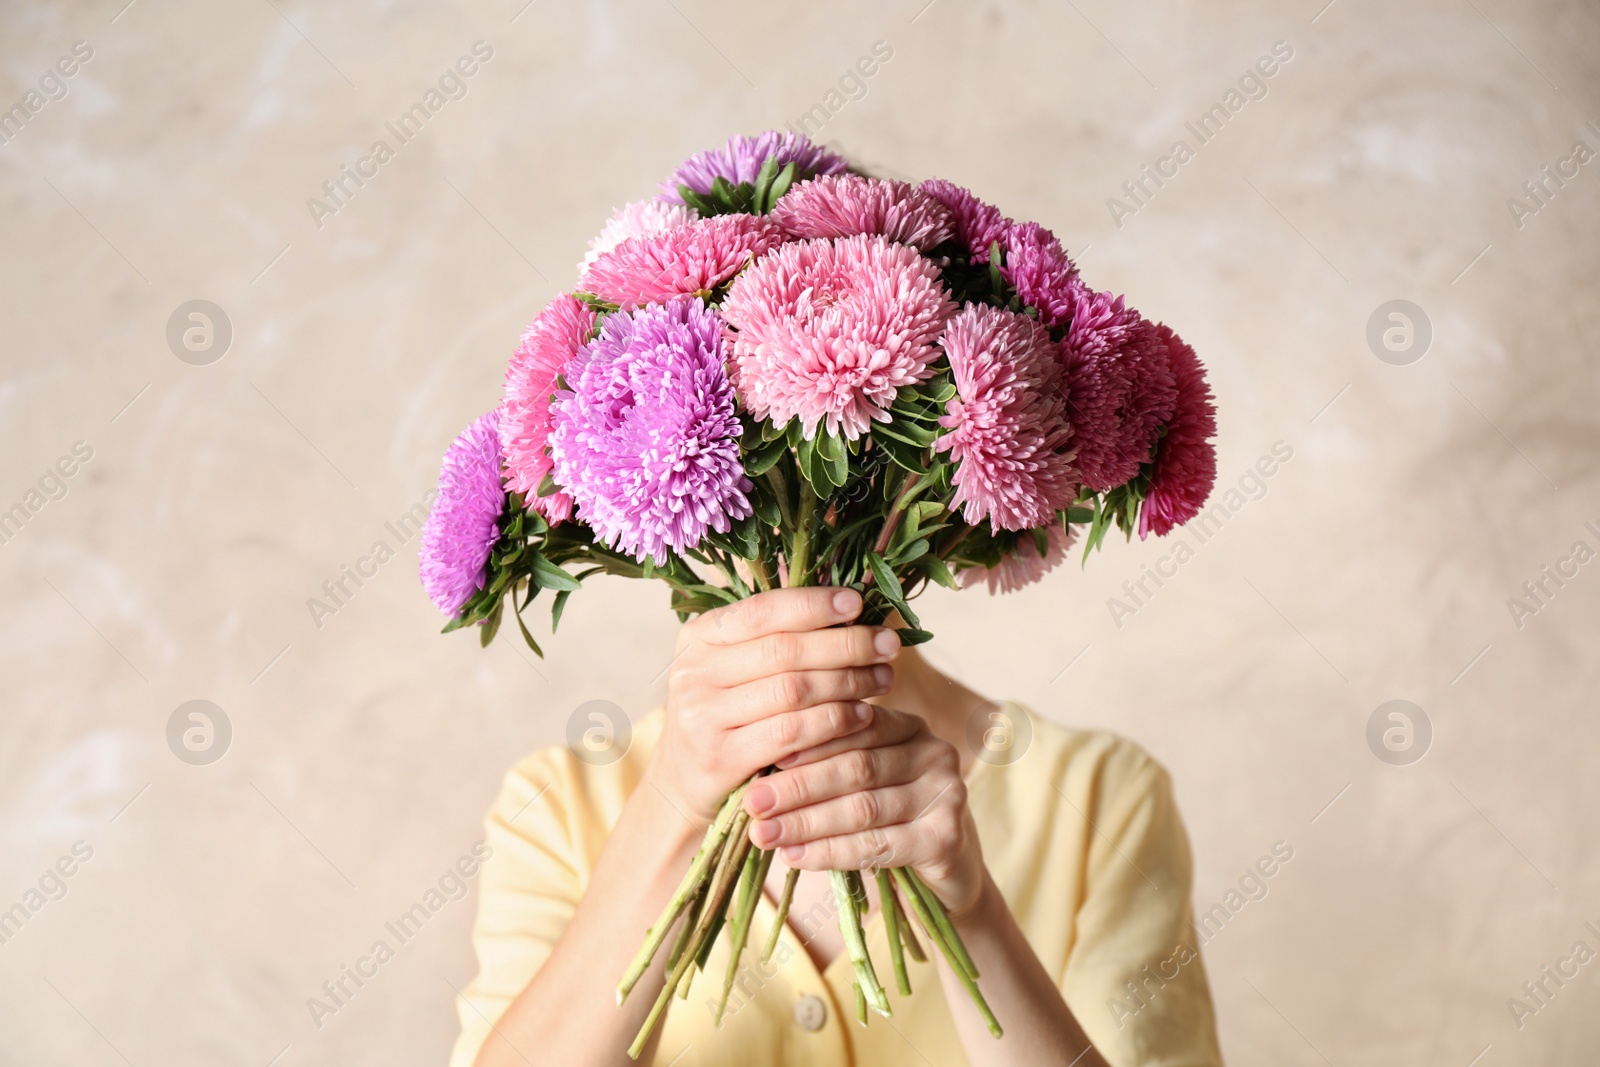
x: 843, y: 205
x: 977, y: 224
x: 827, y: 332
x: 1186, y: 464
x: 638, y: 219
x: 740, y: 161
x: 548, y: 345
x: 1006, y: 428
x: 1041, y: 272
x: 1022, y: 566
x: 683, y: 261
x: 1120, y: 388
x: 463, y: 525
x: 646, y: 438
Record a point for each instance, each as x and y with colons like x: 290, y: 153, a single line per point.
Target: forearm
x: 1039, y: 1027
x: 568, y: 1013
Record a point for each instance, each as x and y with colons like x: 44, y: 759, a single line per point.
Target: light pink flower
x: 1186, y: 463
x: 1024, y: 565
x: 842, y: 205
x: 977, y: 224
x: 548, y: 345
x: 684, y: 261
x: 828, y: 331
x: 638, y: 219
x: 1120, y: 388
x: 1041, y: 272
x: 1006, y: 428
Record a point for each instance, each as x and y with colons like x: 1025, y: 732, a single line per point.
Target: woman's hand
x: 759, y: 680
x: 890, y: 795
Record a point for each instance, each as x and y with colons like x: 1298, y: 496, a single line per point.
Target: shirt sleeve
x: 1134, y: 977
x: 529, y: 889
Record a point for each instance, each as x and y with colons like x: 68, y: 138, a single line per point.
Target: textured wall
x: 1375, y: 564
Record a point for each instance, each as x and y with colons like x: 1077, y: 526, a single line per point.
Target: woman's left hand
x: 890, y: 795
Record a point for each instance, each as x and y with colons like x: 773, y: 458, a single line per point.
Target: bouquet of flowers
x: 783, y: 371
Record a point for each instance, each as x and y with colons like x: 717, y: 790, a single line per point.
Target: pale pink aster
x: 638, y: 219
x: 1041, y: 272
x: 463, y: 526
x: 1186, y: 462
x: 740, y: 160
x: 684, y: 261
x: 548, y: 345
x: 1023, y: 565
x: 827, y: 332
x: 1005, y: 426
x: 842, y: 205
x: 977, y: 224
x: 1120, y: 388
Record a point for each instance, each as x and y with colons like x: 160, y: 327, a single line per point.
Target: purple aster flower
x: 1043, y: 274
x: 740, y: 161
x: 646, y: 438
x: 464, y: 523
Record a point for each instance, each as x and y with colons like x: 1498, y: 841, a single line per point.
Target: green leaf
x: 914, y: 550
x: 556, y: 609
x: 996, y: 282
x: 889, y: 586
x: 1076, y: 514
x: 912, y: 636
x: 759, y: 460
x: 528, y: 637
x: 549, y: 576
x: 780, y: 184
x: 491, y: 624
x: 547, y: 485
x: 909, y: 457
x: 764, y: 178
x: 935, y: 568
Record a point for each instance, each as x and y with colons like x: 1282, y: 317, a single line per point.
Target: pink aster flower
x: 1186, y: 463
x: 1041, y: 272
x: 828, y: 331
x: 638, y: 219
x: 1120, y: 388
x: 689, y: 259
x: 740, y: 161
x: 646, y: 439
x: 842, y: 205
x: 464, y: 523
x: 1022, y: 566
x: 1006, y: 428
x: 548, y: 345
x: 977, y: 224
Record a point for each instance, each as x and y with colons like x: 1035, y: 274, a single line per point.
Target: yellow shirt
x: 1080, y: 834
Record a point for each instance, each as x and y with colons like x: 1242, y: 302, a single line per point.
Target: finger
x: 796, y: 690
x: 847, y: 772
x: 869, y: 809
x: 766, y: 741
x: 891, y: 846
x: 889, y: 727
x: 833, y: 648
x: 776, y: 611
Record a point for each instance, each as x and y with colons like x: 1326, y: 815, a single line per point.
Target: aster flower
x: 1120, y: 388
x: 646, y: 439
x: 1186, y: 464
x: 977, y: 224
x: 463, y: 525
x: 548, y: 345
x: 740, y: 161
x: 828, y: 332
x: 638, y: 219
x: 1023, y: 565
x: 1005, y: 426
x: 842, y: 205
x: 686, y: 260
x: 1041, y: 272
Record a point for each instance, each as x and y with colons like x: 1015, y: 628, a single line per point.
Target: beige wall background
x: 1374, y: 565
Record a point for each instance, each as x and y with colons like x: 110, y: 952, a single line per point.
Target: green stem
x: 902, y: 878
x: 758, y: 569
x: 908, y: 937
x: 856, y: 943
x: 891, y: 924
x: 800, y: 548
x: 942, y: 918
x: 755, y: 874
x: 784, y: 901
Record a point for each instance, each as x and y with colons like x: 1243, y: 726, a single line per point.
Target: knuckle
x: 785, y: 730
x: 864, y: 810
x: 790, y: 689
x: 858, y: 768
x: 778, y: 651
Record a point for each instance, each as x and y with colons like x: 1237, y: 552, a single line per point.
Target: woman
x: 1066, y: 872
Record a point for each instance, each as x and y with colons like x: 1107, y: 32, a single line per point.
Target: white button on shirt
x: 810, y: 1013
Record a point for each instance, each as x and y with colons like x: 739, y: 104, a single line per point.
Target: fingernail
x: 792, y: 854
x: 861, y: 712
x: 765, y: 833
x: 883, y: 674
x: 847, y: 602
x: 887, y: 642
x: 760, y: 798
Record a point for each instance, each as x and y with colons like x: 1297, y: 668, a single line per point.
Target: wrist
x: 979, y: 907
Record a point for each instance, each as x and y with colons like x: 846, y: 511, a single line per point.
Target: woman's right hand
x: 762, y: 679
